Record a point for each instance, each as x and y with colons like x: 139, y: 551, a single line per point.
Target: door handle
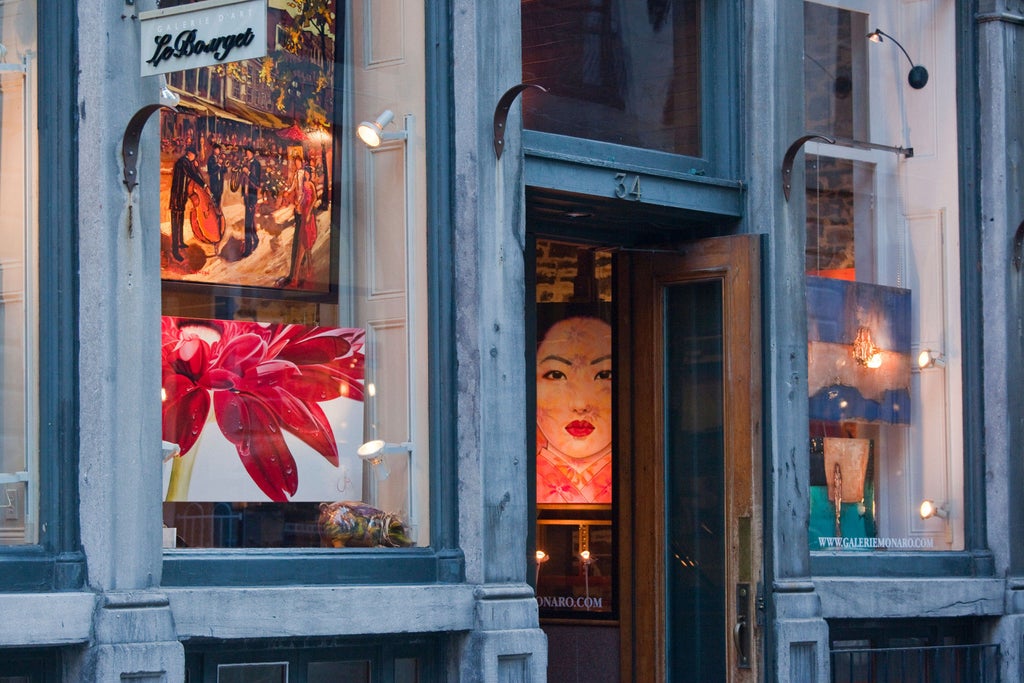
x: 741, y: 632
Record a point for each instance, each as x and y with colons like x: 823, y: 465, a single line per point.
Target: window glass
x: 19, y: 483
x: 882, y: 294
x: 253, y: 673
x: 617, y: 71
x: 834, y: 71
x: 575, y: 538
x: 293, y: 263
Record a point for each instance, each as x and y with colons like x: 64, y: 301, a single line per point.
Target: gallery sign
x: 202, y: 34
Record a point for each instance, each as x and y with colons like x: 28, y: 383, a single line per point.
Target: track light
x: 373, y: 452
x: 929, y: 358
x: 918, y: 76
x: 929, y: 509
x: 372, y: 132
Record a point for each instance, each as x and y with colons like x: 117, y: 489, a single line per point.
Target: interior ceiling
x: 614, y: 222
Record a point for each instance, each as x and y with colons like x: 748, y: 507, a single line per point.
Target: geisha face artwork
x: 574, y: 412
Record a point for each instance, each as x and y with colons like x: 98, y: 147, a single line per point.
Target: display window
x: 882, y: 269
x: 293, y: 267
x: 19, y: 323
x: 575, y: 532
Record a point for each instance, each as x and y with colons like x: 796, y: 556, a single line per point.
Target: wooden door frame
x: 734, y: 261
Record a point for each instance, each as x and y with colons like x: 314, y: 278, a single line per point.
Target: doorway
x: 648, y: 519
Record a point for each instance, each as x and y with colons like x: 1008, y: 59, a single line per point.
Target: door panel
x: 689, y: 425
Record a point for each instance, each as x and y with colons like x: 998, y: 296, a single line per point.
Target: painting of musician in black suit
x: 247, y: 161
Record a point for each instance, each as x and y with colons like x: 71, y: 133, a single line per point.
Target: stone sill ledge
x: 217, y: 612
x: 41, y: 619
x: 880, y: 598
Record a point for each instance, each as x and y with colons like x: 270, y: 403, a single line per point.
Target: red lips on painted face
x: 579, y: 429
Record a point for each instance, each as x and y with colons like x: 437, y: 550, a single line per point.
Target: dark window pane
x: 696, y: 619
x: 617, y: 71
x: 276, y: 672
x: 336, y: 672
x: 835, y: 70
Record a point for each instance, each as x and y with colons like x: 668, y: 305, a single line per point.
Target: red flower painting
x: 261, y: 380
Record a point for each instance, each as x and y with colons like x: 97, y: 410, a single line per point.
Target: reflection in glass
x: 696, y: 482
x: 835, y: 56
x: 333, y: 672
x: 617, y: 71
x: 18, y: 483
x: 276, y: 672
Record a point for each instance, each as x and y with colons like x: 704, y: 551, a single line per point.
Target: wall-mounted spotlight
x: 373, y: 452
x: 168, y: 97
x: 929, y: 358
x: 372, y: 132
x: 929, y: 509
x: 918, y: 76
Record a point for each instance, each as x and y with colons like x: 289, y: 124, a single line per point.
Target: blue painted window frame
x: 722, y: 107
x: 56, y: 561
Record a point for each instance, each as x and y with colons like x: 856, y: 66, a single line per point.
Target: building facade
x: 511, y: 341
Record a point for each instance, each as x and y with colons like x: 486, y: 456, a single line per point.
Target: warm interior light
x: 585, y: 556
x: 864, y: 350
x: 875, y: 36
x: 370, y: 449
x: 372, y: 132
x: 929, y: 358
x: 929, y: 509
x: 542, y: 556
x: 373, y: 453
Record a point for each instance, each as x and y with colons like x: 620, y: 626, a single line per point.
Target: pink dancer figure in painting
x: 574, y: 412
x: 303, y: 193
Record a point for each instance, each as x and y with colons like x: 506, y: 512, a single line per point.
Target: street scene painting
x: 245, y: 162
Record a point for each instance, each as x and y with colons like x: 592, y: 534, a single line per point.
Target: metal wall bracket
x: 501, y: 113
x: 130, y: 142
x: 787, y: 161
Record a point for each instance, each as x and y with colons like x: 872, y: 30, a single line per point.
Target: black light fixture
x: 918, y: 76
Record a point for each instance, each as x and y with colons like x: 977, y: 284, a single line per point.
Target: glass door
x: 648, y: 522
x: 689, y: 421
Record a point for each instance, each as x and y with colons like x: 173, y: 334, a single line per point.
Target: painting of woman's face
x: 574, y: 386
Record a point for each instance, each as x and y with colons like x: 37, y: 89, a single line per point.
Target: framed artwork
x: 247, y: 188
x: 261, y: 412
x: 574, y: 404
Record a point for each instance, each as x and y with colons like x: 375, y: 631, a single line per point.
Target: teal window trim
x: 722, y: 107
x: 56, y: 562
